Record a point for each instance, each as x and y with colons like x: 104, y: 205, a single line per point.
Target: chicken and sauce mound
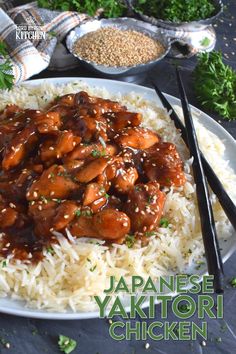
x: 85, y: 165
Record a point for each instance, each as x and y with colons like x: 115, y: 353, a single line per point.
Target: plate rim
x: 41, y: 314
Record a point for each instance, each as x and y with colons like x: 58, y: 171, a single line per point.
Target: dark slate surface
x: 28, y: 336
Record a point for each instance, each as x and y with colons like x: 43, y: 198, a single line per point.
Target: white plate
x: 18, y: 308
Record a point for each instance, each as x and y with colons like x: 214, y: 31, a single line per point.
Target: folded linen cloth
x: 31, y: 35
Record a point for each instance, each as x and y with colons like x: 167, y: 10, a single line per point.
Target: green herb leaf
x: 130, y: 240
x: 87, y: 212
x: 50, y: 250
x: 151, y: 199
x: 176, y: 10
x: 164, y: 222
x: 34, y: 332
x: 205, y: 42
x: 66, y: 344
x: 215, y: 84
x: 200, y: 264
x: 138, y: 188
x: 78, y: 212
x: 44, y: 199
x: 6, y: 77
x: 92, y: 269
x: 4, y: 264
x: 150, y: 233
x: 111, y: 8
x: 233, y: 282
x: 96, y: 153
x: 52, y: 34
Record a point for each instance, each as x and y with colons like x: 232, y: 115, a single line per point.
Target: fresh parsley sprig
x: 176, y: 10
x: 6, y: 78
x: 112, y: 8
x: 215, y: 84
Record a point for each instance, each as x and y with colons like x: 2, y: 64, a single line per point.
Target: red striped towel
x: 30, y: 56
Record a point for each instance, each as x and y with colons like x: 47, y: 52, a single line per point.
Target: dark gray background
x: 39, y: 336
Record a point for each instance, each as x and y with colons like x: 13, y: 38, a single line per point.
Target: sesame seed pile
x: 114, y: 47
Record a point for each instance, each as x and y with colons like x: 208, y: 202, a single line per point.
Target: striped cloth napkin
x: 31, y: 35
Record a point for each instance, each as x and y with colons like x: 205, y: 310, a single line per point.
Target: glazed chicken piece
x: 25, y: 140
x: 73, y: 165
x: 163, y: 164
x: 111, y: 224
x: 119, y: 176
x: 88, y: 127
x: 6, y: 189
x: 8, y: 216
x: 95, y: 196
x: 93, y: 191
x: 12, y: 120
x: 114, y: 202
x: 144, y: 206
x: 121, y: 120
x: 82, y: 226
x: 65, y: 143
x: 110, y: 172
x: 47, y: 122
x: 43, y: 214
x: 95, y: 150
x: 125, y: 179
x: 136, y: 138
x: 83, y: 98
x: 93, y: 128
x: 18, y: 148
x: 14, y: 124
x: 11, y: 214
x: 65, y: 213
x: 8, y: 131
x: 21, y: 184
x: 9, y: 111
x: 98, y: 204
x: 67, y: 100
x: 65, y: 111
x: 91, y: 170
x: 49, y: 216
x: 53, y: 183
x: 108, y: 224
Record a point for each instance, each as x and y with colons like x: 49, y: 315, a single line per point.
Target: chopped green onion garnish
x: 66, y: 344
x: 164, y: 222
x: 233, y: 282
x: 130, y: 240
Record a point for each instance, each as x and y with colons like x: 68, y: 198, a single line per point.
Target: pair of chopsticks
x: 200, y: 165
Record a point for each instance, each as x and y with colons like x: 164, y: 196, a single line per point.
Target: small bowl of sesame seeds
x: 118, y: 47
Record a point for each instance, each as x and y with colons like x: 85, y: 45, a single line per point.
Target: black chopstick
x: 212, y: 251
x: 226, y: 202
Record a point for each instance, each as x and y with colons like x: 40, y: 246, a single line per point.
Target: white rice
x: 80, y: 268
